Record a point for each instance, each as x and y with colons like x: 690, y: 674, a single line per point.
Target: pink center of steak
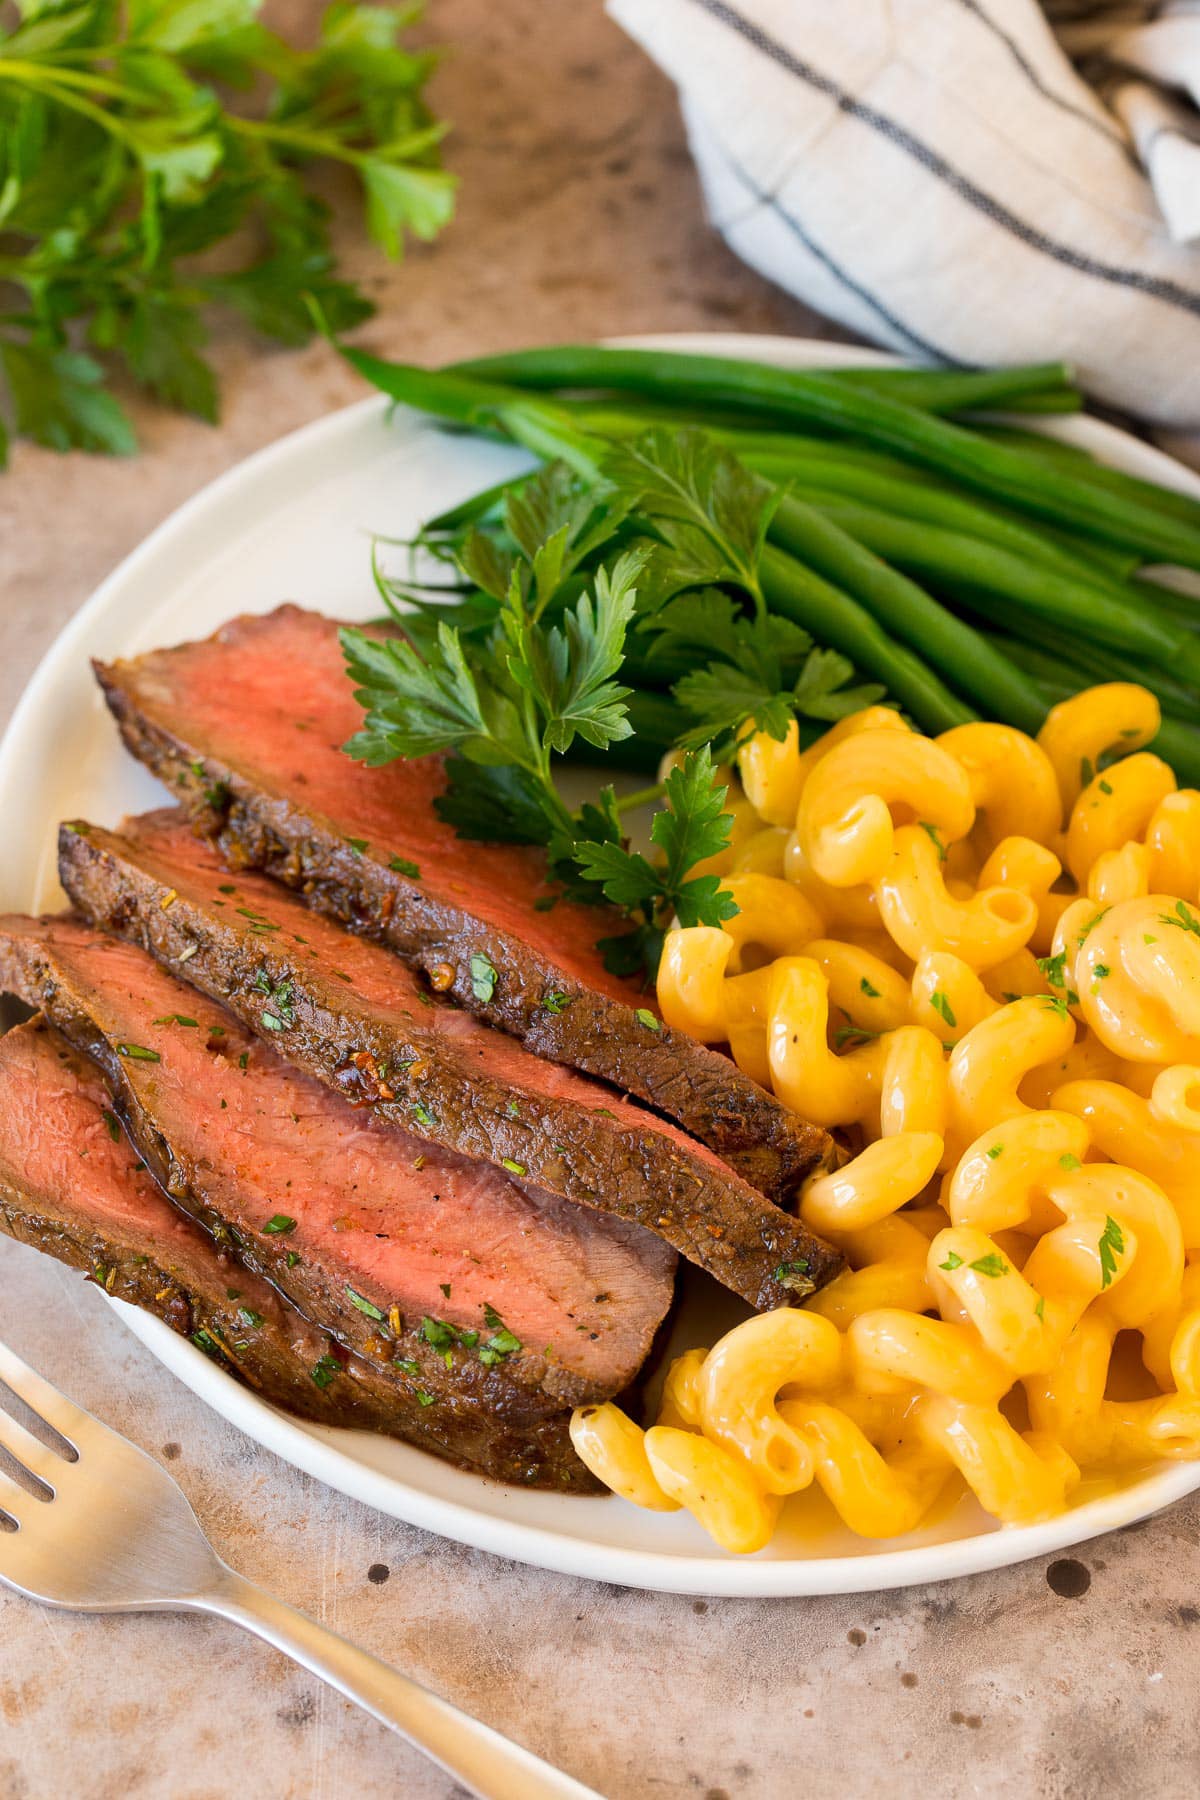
x: 385, y: 1216
x: 269, y: 697
x: 375, y: 982
x: 59, y: 1139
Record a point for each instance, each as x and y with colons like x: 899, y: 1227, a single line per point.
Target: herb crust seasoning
x: 72, y: 1185
x: 244, y: 723
x: 343, y: 1010
x: 333, y: 1203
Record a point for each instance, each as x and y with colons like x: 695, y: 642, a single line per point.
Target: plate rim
x: 714, y: 1574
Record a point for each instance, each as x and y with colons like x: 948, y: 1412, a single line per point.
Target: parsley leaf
x: 1112, y: 1245
x: 123, y: 164
x: 766, y: 671
x: 690, y: 828
x: 704, y: 505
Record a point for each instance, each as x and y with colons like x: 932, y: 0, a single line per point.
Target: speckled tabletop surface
x: 580, y: 216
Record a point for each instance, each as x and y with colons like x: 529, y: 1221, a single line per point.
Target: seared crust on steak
x: 97, y: 1209
x: 346, y: 1012
x: 248, y: 728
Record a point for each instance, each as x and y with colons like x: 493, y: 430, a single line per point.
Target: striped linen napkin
x: 940, y: 176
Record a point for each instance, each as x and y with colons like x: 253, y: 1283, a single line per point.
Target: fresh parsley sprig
x: 749, y: 673
x: 522, y: 696
x: 536, y: 669
x: 122, y: 167
x: 692, y: 827
x: 519, y: 656
x: 708, y: 513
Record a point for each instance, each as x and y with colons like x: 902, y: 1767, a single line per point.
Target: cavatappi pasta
x: 977, y: 959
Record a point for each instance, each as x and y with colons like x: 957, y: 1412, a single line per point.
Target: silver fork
x: 110, y: 1531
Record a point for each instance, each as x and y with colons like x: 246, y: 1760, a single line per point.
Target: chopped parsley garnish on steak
x: 401, y: 866
x: 279, y: 1226
x: 503, y: 1342
x: 364, y: 1306
x: 793, y: 1274
x: 176, y: 1019
x: 445, y: 1338
x: 326, y: 1370
x: 483, y: 977
x: 442, y: 1336
x: 645, y: 1017
x: 138, y: 1053
x: 248, y: 1316
x: 111, y: 1124
x: 358, y: 845
x: 556, y: 1002
x: 514, y: 1168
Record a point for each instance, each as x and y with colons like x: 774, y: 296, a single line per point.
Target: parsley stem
x: 54, y: 85
x: 643, y: 797
x: 308, y: 143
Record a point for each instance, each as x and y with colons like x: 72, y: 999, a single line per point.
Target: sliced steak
x: 250, y: 725
x: 72, y: 1185
x: 459, y: 1285
x: 346, y: 1011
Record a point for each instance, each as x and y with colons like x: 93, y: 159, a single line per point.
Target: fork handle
x: 489, y: 1765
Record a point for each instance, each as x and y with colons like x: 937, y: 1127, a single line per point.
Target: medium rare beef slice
x: 251, y: 723
x: 456, y: 1282
x: 72, y: 1185
x: 346, y: 1011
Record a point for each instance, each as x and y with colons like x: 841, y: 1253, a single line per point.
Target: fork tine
x: 30, y: 1452
x: 15, y: 1501
x: 51, y: 1406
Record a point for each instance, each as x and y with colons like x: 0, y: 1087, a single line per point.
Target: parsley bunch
x: 611, y: 560
x: 529, y: 666
x: 122, y: 167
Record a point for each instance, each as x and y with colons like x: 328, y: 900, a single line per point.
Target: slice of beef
x: 72, y: 1185
x: 346, y: 1011
x: 250, y: 726
x: 459, y: 1285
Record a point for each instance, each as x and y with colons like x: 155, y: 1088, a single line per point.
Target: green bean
x: 842, y: 624
x: 1177, y: 742
x: 541, y: 426
x: 1183, y: 607
x: 1083, y: 464
x: 1038, y: 387
x: 1102, y: 665
x: 967, y: 457
x: 950, y: 558
x: 928, y: 390
x: 832, y: 482
x: 1179, y: 745
x: 959, y: 653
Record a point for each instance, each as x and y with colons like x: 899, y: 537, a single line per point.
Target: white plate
x: 292, y: 523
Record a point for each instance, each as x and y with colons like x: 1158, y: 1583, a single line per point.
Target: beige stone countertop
x: 580, y: 216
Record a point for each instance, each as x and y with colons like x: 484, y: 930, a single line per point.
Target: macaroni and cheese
x: 976, y: 959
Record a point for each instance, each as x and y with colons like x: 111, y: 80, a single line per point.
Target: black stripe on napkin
x: 1157, y: 287
x: 1035, y: 81
x: 883, y: 313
